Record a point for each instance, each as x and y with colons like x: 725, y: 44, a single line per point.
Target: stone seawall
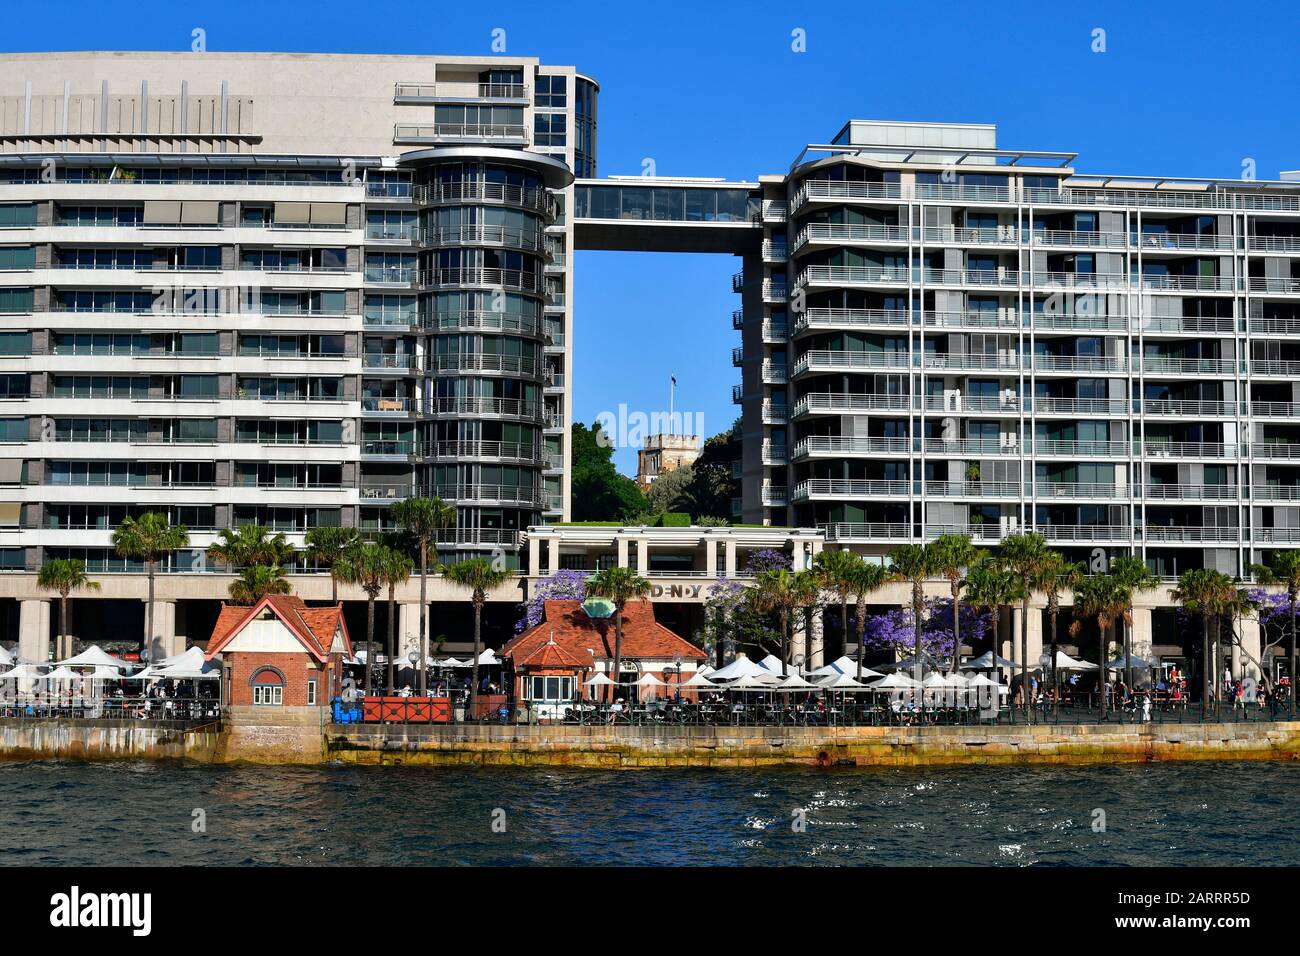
x: 44, y: 739
x: 631, y: 747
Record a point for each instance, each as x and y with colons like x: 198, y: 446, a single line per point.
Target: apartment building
x: 286, y: 289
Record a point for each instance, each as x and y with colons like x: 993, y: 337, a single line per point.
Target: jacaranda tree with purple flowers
x: 560, y: 586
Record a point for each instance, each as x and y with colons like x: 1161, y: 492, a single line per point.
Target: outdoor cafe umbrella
x: 599, y: 680
x: 774, y: 665
x: 1064, y: 662
x: 742, y: 666
x: 698, y: 680
x: 981, y: 680
x: 842, y: 682
x: 895, y: 681
x: 62, y: 673
x: 489, y: 657
x: 6, y: 658
x: 1137, y: 663
x: 985, y: 662
x: 23, y: 672
x: 795, y: 682
x: 94, y: 656
x: 844, y: 665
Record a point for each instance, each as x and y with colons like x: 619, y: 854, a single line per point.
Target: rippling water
x: 1172, y: 814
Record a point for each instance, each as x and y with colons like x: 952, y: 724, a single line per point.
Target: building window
x: 311, y: 692
x: 268, y: 687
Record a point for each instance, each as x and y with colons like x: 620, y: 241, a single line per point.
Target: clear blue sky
x: 1190, y: 88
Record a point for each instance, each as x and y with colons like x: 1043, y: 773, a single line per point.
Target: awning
x: 161, y: 212
x: 11, y: 471
x: 292, y: 213
x: 200, y: 214
x: 329, y: 214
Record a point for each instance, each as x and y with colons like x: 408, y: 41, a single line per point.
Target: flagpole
x: 672, y: 404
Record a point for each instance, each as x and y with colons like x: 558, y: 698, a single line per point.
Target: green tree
x: 149, y: 538
x: 775, y: 592
x: 1208, y: 594
x: 423, y: 519
x: 325, y: 546
x: 807, y: 599
x: 250, y: 545
x: 397, y: 568
x: 837, y: 570
x: 991, y: 587
x: 364, y: 565
x: 951, y: 555
x: 865, y: 580
x: 1134, y: 574
x: 910, y: 564
x: 668, y: 492
x: 598, y: 491
x: 711, y: 488
x: 620, y: 585
x: 63, y: 576
x: 1056, y: 575
x: 1106, y: 599
x: 255, y: 581
x: 1024, y: 556
x: 1283, y: 567
x: 479, y: 576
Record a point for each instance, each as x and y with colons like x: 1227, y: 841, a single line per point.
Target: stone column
x: 1035, y: 635
x: 710, y: 558
x: 408, y: 629
x: 534, y: 555
x: 34, y: 630
x: 552, y: 556
x: 1140, y: 640
x: 729, y: 559
x: 622, y: 552
x: 1243, y: 666
x: 643, y: 557
x: 162, y: 642
x: 798, y: 555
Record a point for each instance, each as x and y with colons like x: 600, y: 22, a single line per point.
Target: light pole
x: 1044, y: 662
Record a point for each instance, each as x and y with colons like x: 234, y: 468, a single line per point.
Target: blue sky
x: 1192, y: 88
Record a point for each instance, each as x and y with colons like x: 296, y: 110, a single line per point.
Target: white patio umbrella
x: 698, y: 679
x: 742, y: 666
x: 23, y: 672
x: 1118, y: 664
x: 748, y: 683
x: 190, y: 657
x: 774, y: 665
x: 94, y: 656
x: 706, y: 669
x: 844, y: 665
x: 6, y: 658
x: 62, y: 674
x: 985, y: 662
x: 1064, y: 662
x: 955, y: 679
x: 794, y: 682
x: 842, y: 682
x: 649, y: 680
x: 983, y: 680
x: 598, y: 680
x: 489, y: 656
x: 895, y: 681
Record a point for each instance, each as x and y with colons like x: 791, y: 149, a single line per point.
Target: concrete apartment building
x: 294, y: 288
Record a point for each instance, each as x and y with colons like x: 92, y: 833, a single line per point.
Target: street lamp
x: 1045, y: 661
x: 414, y: 657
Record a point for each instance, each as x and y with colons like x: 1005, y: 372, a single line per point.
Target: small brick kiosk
x: 280, y: 652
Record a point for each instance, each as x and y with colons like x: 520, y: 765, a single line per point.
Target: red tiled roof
x: 553, y: 655
x: 591, y: 639
x: 314, y: 627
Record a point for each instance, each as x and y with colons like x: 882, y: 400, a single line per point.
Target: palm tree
x: 149, y: 538
x: 63, y: 576
x: 422, y: 519
x: 258, y: 580
x: 1207, y: 594
x: 1055, y: 575
x: 480, y: 576
x: 951, y: 555
x: 1134, y: 574
x: 991, y: 587
x: 363, y: 565
x: 396, y: 571
x: 775, y: 591
x: 807, y: 592
x: 1107, y: 599
x: 1283, y: 567
x: 249, y: 545
x: 620, y: 585
x: 325, y: 546
x: 866, y: 578
x: 910, y: 564
x: 1024, y: 555
x: 837, y: 569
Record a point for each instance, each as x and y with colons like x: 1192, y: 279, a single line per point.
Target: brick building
x: 569, y: 642
x: 280, y: 652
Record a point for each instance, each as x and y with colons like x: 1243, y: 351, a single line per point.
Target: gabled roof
x: 590, y: 639
x: 553, y: 655
x: 314, y: 627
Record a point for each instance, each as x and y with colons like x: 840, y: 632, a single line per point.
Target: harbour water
x: 1176, y: 814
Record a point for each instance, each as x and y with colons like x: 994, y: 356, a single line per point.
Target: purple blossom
x: 766, y: 559
x: 560, y: 586
x: 894, y: 630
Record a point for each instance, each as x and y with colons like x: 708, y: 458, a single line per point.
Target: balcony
x: 435, y: 133
x: 737, y: 357
x: 425, y: 93
x: 774, y: 413
x: 1172, y: 365
x: 773, y: 454
x: 774, y: 293
x: 774, y: 373
x: 775, y: 333
x: 774, y: 211
x: 775, y: 251
x: 773, y: 496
